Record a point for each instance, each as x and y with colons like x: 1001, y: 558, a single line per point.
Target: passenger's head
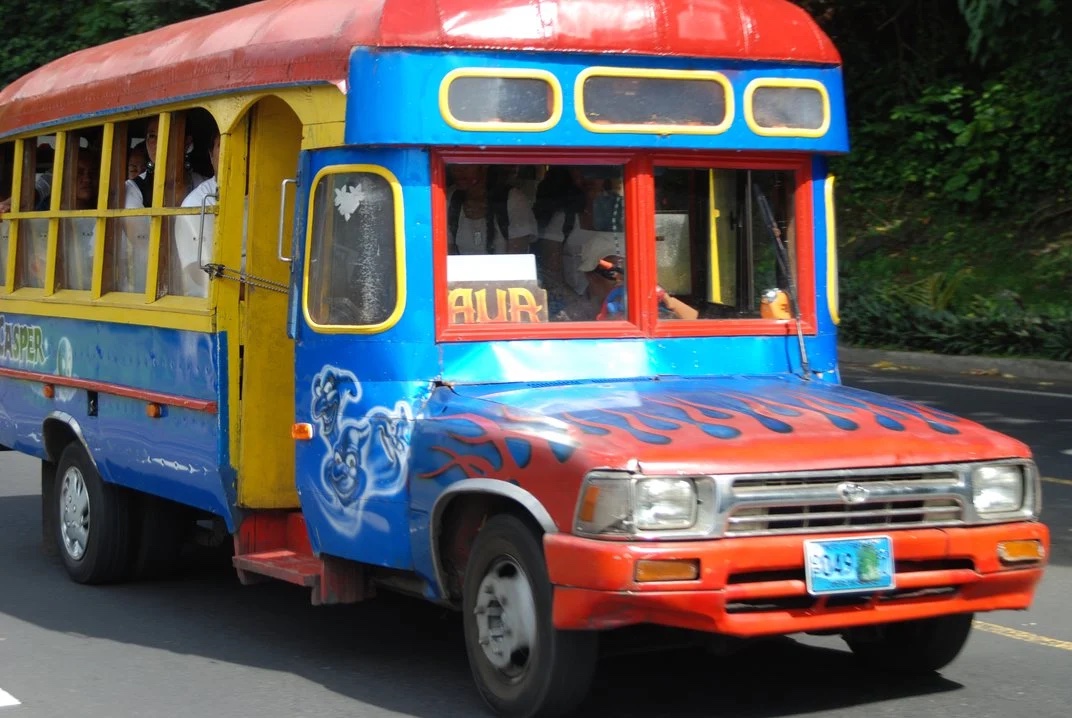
x: 602, y: 265
x: 86, y: 181
x: 137, y: 160
x: 558, y: 191
x: 150, y: 136
x: 469, y: 177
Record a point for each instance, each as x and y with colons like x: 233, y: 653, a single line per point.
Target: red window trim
x: 639, y: 188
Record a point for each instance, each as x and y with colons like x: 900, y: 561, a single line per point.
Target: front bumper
x: 755, y: 586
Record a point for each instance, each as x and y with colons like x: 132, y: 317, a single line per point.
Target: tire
x: 92, y: 520
x: 159, y: 527
x: 913, y: 647
x: 522, y: 665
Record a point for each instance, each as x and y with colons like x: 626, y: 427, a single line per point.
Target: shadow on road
x: 402, y: 654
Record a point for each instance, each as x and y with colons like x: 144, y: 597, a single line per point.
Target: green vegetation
x: 955, y: 203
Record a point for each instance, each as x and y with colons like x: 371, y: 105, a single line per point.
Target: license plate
x: 850, y: 565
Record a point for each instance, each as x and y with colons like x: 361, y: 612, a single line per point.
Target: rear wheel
x: 522, y: 665
x: 92, y: 520
x: 913, y: 647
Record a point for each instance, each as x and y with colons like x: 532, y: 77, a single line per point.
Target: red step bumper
x: 755, y: 586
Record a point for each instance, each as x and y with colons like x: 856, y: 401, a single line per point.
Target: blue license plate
x: 850, y: 565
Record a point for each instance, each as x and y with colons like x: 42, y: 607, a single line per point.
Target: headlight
x: 997, y: 489
x: 665, y: 504
x: 622, y: 505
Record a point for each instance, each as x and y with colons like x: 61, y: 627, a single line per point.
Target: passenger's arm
x: 678, y: 307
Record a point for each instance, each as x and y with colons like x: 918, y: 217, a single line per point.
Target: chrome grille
x: 851, y: 501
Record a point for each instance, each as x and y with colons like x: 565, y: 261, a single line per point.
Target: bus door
x: 266, y: 354
x: 355, y: 372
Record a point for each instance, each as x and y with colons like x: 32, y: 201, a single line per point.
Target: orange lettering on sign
x: 460, y: 302
x: 482, y: 315
x: 523, y: 306
x: 496, y: 305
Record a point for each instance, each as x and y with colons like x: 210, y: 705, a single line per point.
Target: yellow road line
x: 1066, y: 482
x: 1023, y: 636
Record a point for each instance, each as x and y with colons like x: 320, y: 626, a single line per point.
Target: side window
x: 38, y: 165
x: 192, y: 161
x: 161, y: 162
x: 355, y: 249
x: 132, y: 175
x: 714, y: 250
x: 788, y: 108
x: 7, y: 172
x: 79, y: 191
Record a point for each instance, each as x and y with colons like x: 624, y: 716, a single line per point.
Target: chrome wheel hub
x: 506, y: 617
x: 74, y: 513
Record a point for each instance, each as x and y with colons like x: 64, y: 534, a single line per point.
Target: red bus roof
x: 288, y: 42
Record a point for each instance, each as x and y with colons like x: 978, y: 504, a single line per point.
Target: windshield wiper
x: 781, y: 252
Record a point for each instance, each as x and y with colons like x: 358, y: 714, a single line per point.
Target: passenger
x: 191, y: 278
x: 86, y: 177
x: 608, y: 209
x: 43, y: 178
x: 605, y: 297
x: 76, y: 270
x: 139, y: 190
x: 486, y: 216
x: 137, y: 161
x: 133, y: 255
x: 197, y: 164
x: 559, y: 206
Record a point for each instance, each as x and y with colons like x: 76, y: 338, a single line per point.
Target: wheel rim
x: 74, y: 510
x: 505, y: 613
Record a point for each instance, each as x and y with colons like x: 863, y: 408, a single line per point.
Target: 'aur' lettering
x: 495, y: 305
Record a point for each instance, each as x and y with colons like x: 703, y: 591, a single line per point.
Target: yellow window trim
x: 671, y: 129
x: 114, y: 309
x: 833, y: 298
x: 112, y: 213
x: 505, y: 73
x: 400, y: 251
x: 802, y: 84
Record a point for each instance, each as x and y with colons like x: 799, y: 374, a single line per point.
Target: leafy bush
x: 888, y: 318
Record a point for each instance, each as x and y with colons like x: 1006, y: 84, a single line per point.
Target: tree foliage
x: 35, y: 33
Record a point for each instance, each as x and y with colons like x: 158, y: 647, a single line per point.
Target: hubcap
x: 506, y: 617
x: 74, y: 513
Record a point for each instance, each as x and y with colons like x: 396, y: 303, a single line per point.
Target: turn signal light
x: 677, y: 569
x: 1021, y: 551
x: 588, y: 503
x: 154, y: 410
x: 49, y: 391
x: 301, y: 432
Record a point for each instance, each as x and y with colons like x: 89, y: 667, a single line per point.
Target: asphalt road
x: 202, y: 645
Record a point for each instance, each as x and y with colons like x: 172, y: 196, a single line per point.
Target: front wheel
x: 93, y: 519
x: 913, y: 647
x: 522, y: 665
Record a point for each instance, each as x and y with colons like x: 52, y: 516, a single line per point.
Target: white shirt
x: 190, y: 280
x: 471, y: 237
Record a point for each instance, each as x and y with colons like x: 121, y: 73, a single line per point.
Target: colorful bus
x: 524, y: 307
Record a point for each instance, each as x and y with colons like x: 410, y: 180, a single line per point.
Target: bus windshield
x: 529, y: 243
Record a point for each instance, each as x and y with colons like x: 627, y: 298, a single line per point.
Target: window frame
x: 399, y: 242
x: 648, y: 73
x: 639, y: 191
x: 791, y: 83
x: 500, y: 73
x: 110, y: 171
